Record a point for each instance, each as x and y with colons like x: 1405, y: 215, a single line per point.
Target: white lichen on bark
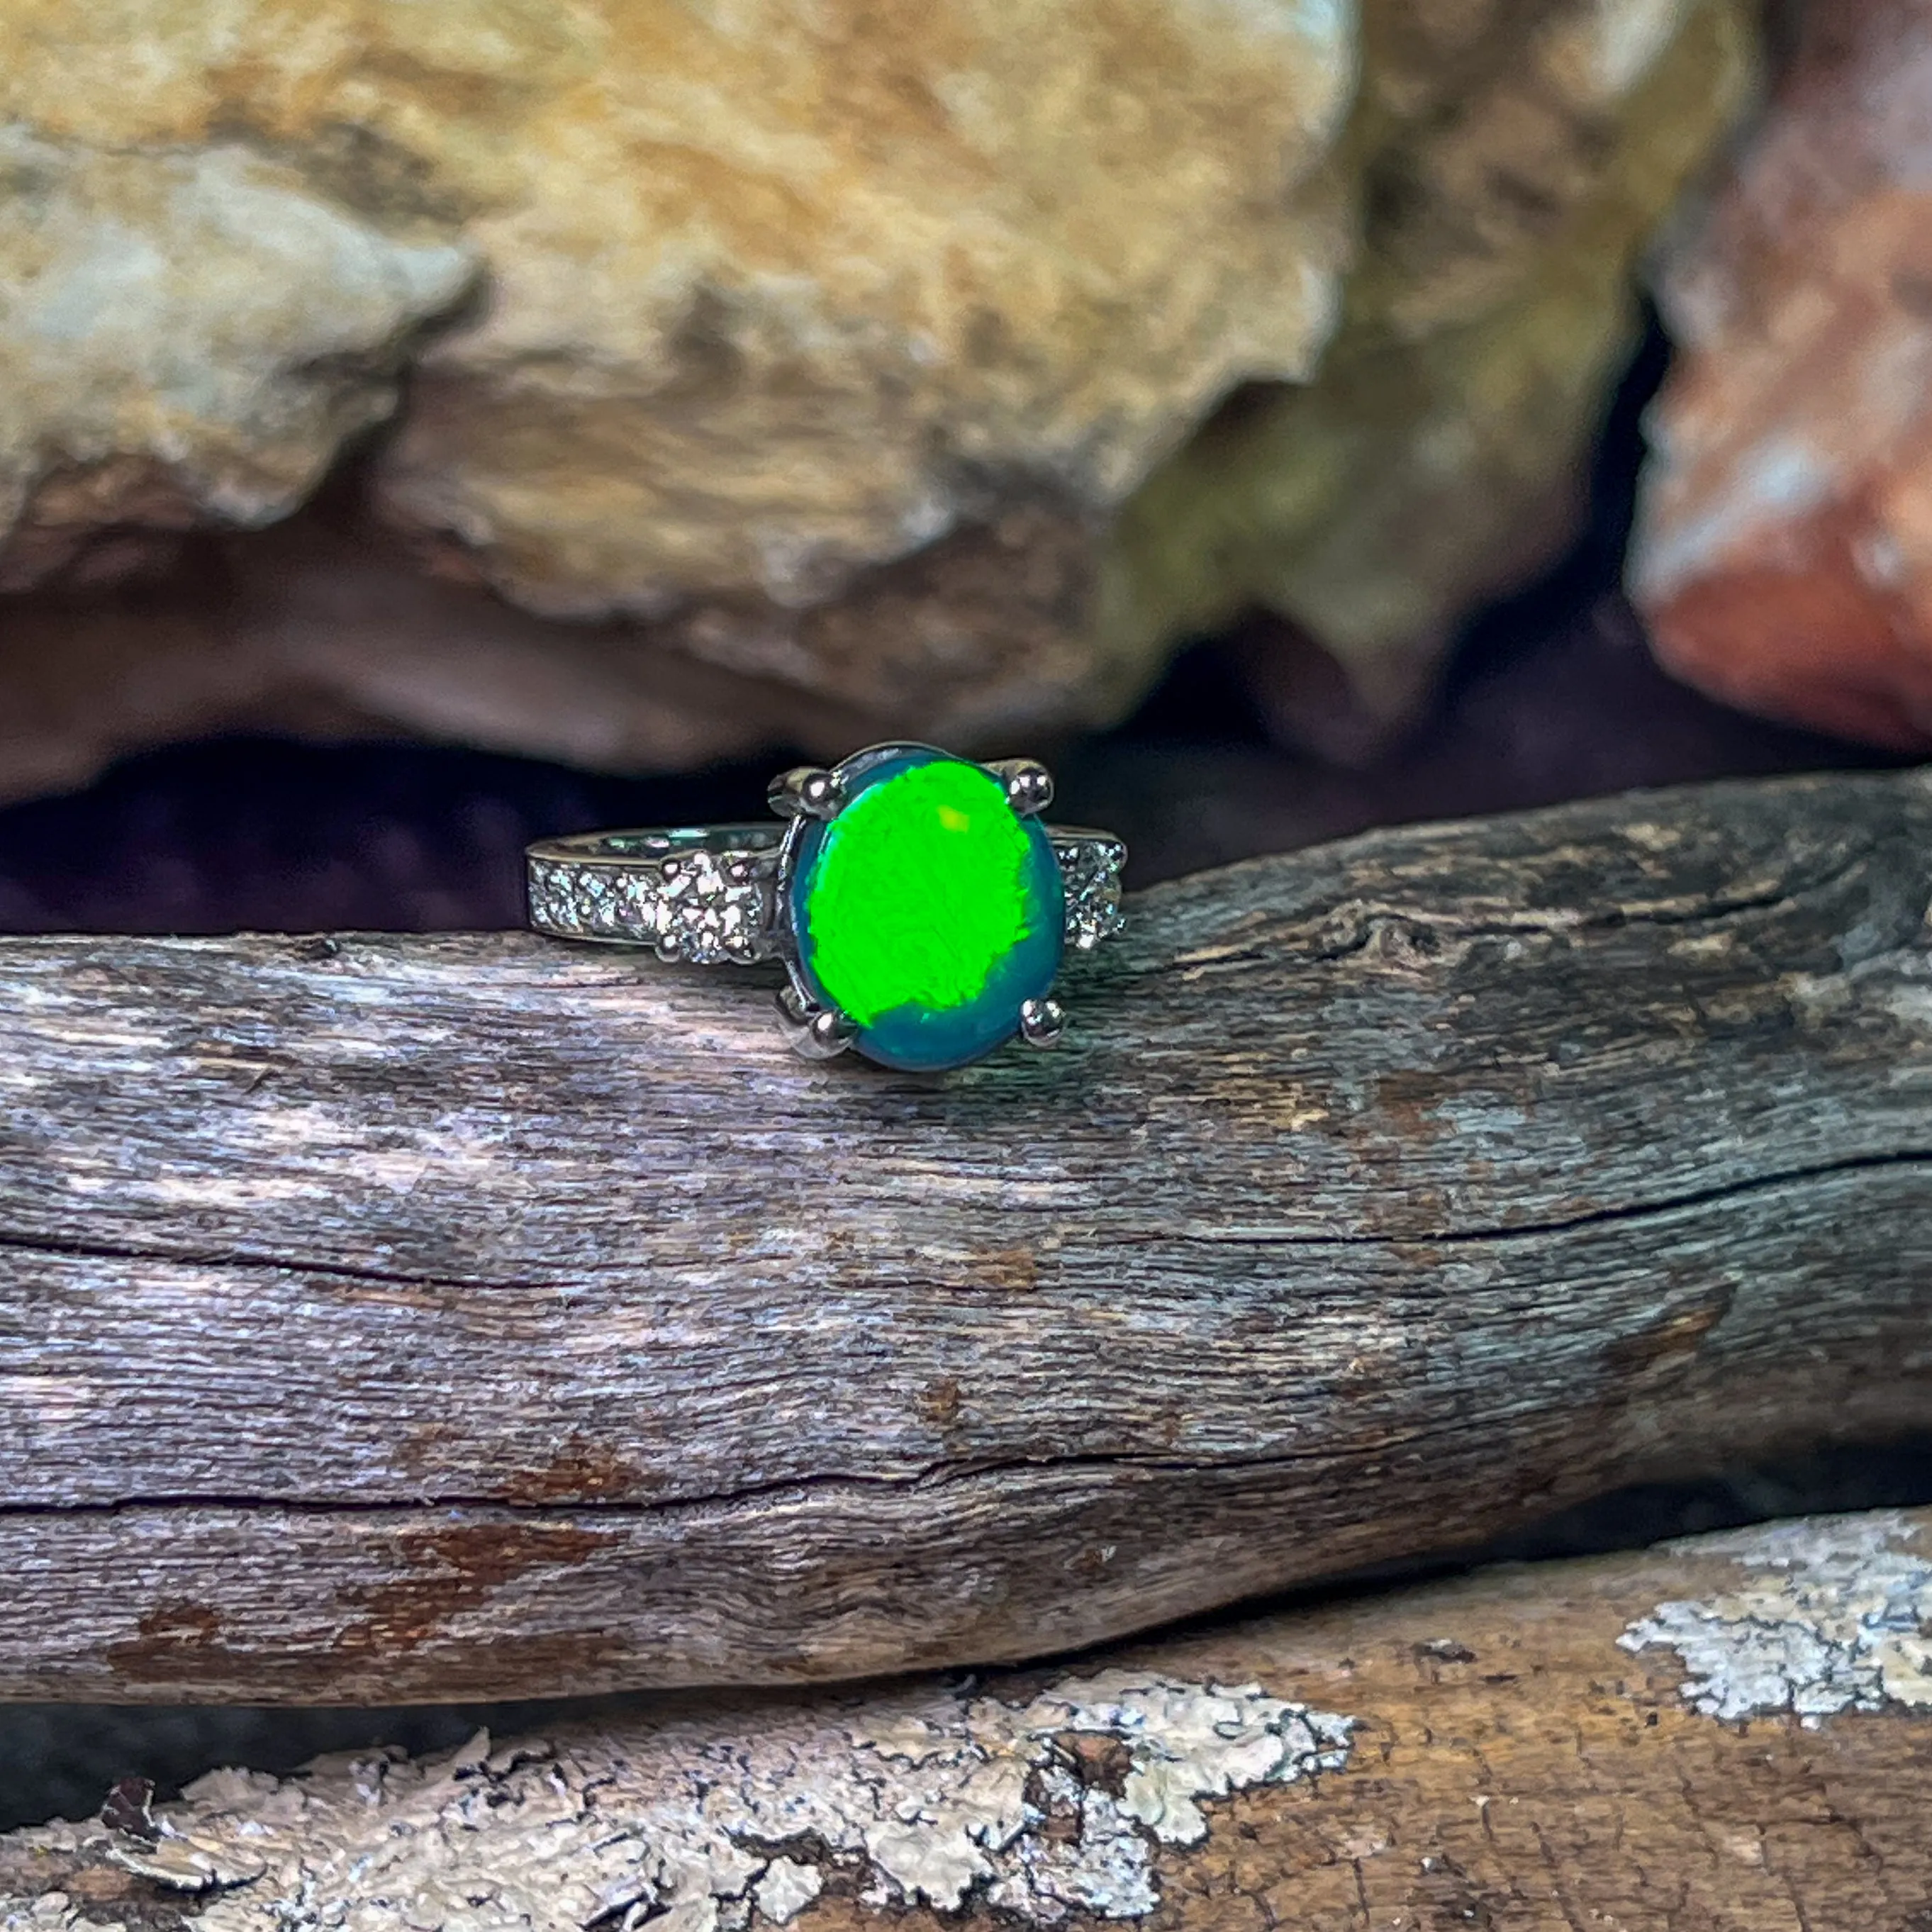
x: 727, y: 1820
x: 1834, y: 1614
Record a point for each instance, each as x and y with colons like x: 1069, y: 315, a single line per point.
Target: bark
x: 392, y: 1318
x: 1728, y: 1734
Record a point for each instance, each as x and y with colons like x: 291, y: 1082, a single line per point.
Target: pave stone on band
x: 920, y: 908
x: 704, y: 895
x: 714, y: 907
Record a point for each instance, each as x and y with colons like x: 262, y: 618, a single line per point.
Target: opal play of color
x: 927, y: 911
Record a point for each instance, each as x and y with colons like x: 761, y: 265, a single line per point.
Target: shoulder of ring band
x: 922, y: 908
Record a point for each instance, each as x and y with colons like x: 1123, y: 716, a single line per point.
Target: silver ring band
x: 708, y: 894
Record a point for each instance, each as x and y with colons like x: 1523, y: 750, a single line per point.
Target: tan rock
x: 775, y: 291
x: 1783, y: 555
x: 185, y: 338
x: 1440, y: 457
x: 840, y: 288
x: 804, y: 380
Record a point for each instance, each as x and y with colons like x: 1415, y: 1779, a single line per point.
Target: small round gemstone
x: 927, y: 911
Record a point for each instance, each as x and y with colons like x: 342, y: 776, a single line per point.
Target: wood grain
x: 399, y: 1317
x: 1720, y: 1736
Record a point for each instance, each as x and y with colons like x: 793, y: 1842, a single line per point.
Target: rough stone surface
x: 184, y: 336
x: 773, y: 377
x: 772, y: 296
x: 1514, y: 162
x: 1784, y: 552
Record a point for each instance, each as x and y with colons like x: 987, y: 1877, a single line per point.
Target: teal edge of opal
x: 917, y: 1038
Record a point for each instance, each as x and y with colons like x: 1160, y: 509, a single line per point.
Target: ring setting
x: 921, y: 907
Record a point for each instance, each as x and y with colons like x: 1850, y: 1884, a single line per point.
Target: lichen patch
x: 733, y: 1820
x: 1834, y: 1614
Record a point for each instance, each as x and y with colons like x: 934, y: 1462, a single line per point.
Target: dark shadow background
x: 1549, y: 697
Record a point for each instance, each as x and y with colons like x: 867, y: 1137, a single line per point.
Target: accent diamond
x: 1089, y: 870
x: 714, y: 909
x: 706, y: 908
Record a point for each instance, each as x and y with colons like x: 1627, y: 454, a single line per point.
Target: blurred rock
x: 773, y: 377
x: 1516, y: 161
x: 1783, y: 555
x: 338, y: 633
x: 184, y: 338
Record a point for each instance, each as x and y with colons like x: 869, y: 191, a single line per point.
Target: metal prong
x: 1029, y: 785
x: 806, y: 791
x: 1041, y: 1022
x: 817, y: 1033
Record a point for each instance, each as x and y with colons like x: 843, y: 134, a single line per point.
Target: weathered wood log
x: 1730, y: 1733
x: 393, y: 1319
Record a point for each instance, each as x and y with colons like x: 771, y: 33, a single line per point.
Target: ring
x: 922, y: 909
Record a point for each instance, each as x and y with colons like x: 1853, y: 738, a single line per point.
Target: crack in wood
x: 1368, y: 919
x: 242, y: 1261
x: 993, y: 1475
x: 1637, y: 1211
x: 1183, y: 1233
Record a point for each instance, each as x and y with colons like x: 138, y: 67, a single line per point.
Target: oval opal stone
x: 927, y: 911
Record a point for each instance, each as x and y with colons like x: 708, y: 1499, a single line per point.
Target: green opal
x: 927, y: 911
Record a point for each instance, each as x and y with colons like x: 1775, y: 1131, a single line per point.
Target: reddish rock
x: 1783, y: 553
